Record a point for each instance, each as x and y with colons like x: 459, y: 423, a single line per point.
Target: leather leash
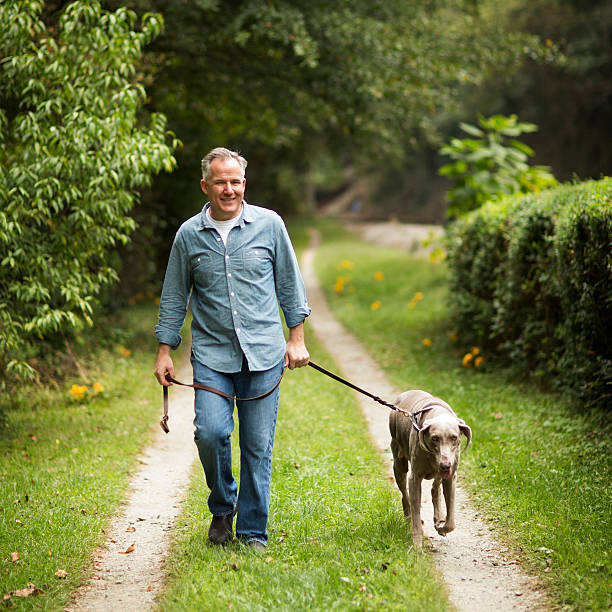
x: 164, y: 422
x: 412, y: 415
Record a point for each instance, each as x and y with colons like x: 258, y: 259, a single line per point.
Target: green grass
x: 65, y: 464
x: 540, y: 467
x: 338, y: 539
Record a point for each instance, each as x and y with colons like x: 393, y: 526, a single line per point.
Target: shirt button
x: 218, y: 239
x: 235, y: 312
x: 226, y: 257
x: 229, y: 273
x: 237, y: 330
x: 232, y: 294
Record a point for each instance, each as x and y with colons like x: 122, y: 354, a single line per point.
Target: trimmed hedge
x: 531, y: 281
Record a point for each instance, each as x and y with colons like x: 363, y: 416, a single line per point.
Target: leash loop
x: 164, y: 422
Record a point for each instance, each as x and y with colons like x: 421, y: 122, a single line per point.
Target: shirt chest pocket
x: 256, y: 262
x: 203, y: 270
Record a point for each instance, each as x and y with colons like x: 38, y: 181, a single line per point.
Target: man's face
x: 225, y: 189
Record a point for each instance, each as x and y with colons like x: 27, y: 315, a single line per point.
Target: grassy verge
x: 337, y: 536
x: 64, y: 466
x: 539, y: 468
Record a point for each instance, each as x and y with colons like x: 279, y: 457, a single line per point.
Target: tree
x: 74, y: 150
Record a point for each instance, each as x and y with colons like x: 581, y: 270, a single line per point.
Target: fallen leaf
x: 113, y: 541
x: 268, y: 559
x: 6, y: 597
x: 28, y: 591
x: 497, y: 415
x: 362, y: 587
x: 131, y: 529
x: 129, y: 549
x: 61, y: 573
x: 14, y: 557
x: 149, y: 588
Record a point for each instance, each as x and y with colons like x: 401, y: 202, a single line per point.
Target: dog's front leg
x: 414, y: 491
x: 436, y: 498
x: 448, y: 486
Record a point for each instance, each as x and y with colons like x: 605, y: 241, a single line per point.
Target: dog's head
x: 440, y: 436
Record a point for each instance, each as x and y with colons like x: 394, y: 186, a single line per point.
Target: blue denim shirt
x: 235, y: 290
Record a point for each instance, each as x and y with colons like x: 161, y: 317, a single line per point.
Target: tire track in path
x: 480, y: 574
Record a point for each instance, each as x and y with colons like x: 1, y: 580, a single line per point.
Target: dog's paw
x: 443, y: 527
x: 439, y: 524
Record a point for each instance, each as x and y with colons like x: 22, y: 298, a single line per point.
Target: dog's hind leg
x: 400, y: 470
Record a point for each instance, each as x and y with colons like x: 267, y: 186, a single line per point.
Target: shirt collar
x: 246, y: 216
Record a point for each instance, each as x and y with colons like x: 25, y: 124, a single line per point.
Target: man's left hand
x: 296, y: 353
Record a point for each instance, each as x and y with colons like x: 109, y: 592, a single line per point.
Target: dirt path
x: 131, y: 580
x: 479, y: 573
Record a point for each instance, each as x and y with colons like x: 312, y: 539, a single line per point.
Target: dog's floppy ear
x: 465, y: 429
x: 423, y: 435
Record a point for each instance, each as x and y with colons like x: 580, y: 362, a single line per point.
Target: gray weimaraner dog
x: 426, y: 433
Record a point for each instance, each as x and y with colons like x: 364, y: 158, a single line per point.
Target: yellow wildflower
x: 340, y: 282
x: 478, y: 361
x: 124, y: 351
x: 375, y: 305
x: 78, y: 391
x: 427, y: 342
x: 98, y: 388
x: 467, y: 360
x: 418, y: 296
x: 475, y: 351
x: 345, y: 264
x: 379, y: 276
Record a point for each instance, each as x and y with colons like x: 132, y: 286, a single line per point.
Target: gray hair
x: 221, y: 153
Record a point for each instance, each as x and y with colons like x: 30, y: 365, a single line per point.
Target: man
x: 236, y: 264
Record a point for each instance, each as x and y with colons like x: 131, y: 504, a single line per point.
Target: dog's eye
x: 454, y: 438
x: 435, y: 438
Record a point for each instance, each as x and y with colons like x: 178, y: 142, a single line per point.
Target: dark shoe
x: 256, y: 545
x: 221, y: 529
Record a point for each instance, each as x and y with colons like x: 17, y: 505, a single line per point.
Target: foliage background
x: 74, y: 151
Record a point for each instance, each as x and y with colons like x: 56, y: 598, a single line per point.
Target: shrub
x: 74, y: 148
x: 491, y: 165
x: 531, y: 280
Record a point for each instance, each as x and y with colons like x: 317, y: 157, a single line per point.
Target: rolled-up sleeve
x: 290, y: 289
x: 175, y: 296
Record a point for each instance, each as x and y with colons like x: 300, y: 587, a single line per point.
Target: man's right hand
x: 163, y: 365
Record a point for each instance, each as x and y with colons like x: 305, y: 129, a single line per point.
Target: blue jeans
x: 214, y: 424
